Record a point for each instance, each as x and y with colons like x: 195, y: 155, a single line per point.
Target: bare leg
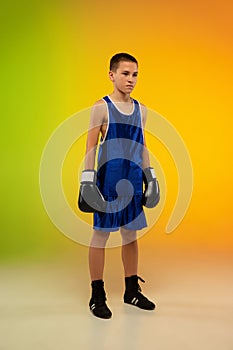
x: 129, y: 252
x: 97, y: 254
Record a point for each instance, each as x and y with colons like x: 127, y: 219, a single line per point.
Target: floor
x: 43, y: 305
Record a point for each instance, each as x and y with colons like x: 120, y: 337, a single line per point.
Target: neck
x: 120, y: 97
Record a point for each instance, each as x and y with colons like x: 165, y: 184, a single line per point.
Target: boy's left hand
x: 151, y: 195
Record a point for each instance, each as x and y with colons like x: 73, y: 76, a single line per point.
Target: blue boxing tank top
x: 120, y: 153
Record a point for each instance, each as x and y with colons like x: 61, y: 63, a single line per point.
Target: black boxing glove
x: 151, y: 194
x: 90, y: 199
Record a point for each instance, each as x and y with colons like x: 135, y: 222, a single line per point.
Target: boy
x: 115, y: 193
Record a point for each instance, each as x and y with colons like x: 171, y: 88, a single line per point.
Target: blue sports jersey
x: 119, y: 171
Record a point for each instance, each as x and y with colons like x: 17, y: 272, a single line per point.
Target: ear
x: 111, y: 76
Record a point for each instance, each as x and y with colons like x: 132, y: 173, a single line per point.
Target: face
x: 125, y: 77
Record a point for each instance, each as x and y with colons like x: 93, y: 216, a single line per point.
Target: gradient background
x: 54, y: 63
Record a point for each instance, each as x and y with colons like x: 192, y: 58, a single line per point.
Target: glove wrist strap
x: 88, y: 176
x: 149, y: 174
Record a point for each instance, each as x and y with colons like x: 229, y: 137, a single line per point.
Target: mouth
x: 129, y: 86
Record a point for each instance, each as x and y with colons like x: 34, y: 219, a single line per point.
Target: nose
x: 130, y: 78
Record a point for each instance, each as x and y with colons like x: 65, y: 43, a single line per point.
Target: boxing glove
x: 151, y: 194
x: 90, y: 199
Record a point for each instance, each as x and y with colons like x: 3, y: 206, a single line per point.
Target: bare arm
x: 145, y: 153
x: 97, y: 118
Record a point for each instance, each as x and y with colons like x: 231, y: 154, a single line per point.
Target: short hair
x: 122, y: 56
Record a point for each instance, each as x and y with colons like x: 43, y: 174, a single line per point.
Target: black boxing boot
x: 97, y: 303
x: 133, y: 294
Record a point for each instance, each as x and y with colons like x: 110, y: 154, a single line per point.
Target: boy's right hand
x: 90, y: 199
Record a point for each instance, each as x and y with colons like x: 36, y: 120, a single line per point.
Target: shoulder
x: 100, y: 104
x: 143, y: 108
x: 143, y: 112
x: 99, y: 110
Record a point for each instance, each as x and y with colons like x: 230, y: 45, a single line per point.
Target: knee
x: 99, y: 239
x: 128, y: 236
